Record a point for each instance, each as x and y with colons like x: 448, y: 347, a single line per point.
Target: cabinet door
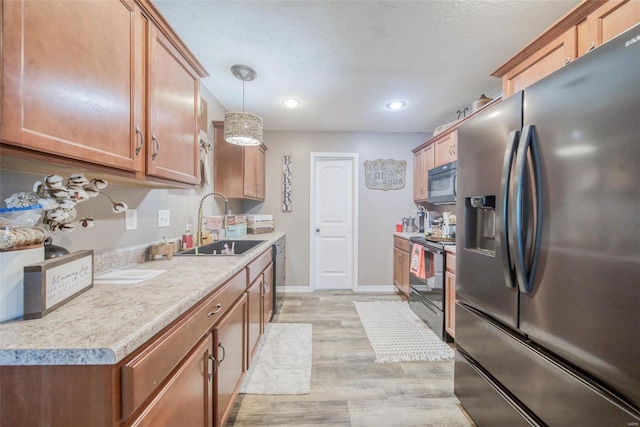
x: 419, y: 173
x: 267, y: 296
x: 250, y: 183
x: 445, y: 149
x: 428, y: 155
x: 254, y: 321
x: 609, y: 20
x: 72, y: 86
x: 260, y: 173
x: 186, y: 400
x: 230, y: 352
x: 545, y: 61
x: 401, y: 271
x: 172, y: 132
x: 450, y: 297
x: 405, y: 273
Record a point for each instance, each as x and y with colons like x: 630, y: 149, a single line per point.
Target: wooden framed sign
x: 52, y: 283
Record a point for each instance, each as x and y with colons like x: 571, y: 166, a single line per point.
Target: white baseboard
x: 299, y: 289
x: 380, y: 289
x: 364, y: 289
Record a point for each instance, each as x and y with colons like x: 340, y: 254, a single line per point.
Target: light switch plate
x: 130, y: 219
x: 164, y: 218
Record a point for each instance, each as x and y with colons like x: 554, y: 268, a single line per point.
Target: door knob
x: 317, y: 230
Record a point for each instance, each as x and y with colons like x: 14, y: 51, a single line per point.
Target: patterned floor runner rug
x: 282, y: 364
x: 396, y: 334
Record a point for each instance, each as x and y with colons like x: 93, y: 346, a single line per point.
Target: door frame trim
x: 354, y: 158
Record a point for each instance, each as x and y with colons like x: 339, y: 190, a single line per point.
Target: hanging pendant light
x: 242, y: 128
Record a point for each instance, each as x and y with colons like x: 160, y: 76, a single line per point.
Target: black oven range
x: 427, y: 297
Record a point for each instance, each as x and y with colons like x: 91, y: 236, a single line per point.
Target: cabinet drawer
x: 451, y: 262
x: 257, y: 266
x: 400, y: 243
x: 142, y: 375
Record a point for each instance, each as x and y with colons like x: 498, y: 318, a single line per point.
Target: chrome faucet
x: 224, y: 221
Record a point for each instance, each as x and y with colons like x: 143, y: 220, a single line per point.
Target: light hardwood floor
x: 347, y: 387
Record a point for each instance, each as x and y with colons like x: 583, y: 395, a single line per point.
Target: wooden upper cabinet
x: 239, y: 171
x: 102, y: 84
x: 446, y: 149
x: 423, y: 160
x: 585, y: 27
x: 550, y: 58
x: 609, y: 20
x: 261, y: 180
x: 72, y: 85
x: 173, y: 99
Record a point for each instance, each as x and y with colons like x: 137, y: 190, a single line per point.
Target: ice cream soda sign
x: 386, y: 174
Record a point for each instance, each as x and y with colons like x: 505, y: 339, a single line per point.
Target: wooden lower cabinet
x: 260, y: 308
x: 401, y: 265
x: 230, y: 352
x: 187, y: 399
x: 189, y: 374
x: 450, y: 296
x: 267, y: 297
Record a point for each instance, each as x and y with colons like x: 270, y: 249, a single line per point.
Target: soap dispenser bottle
x: 187, y: 238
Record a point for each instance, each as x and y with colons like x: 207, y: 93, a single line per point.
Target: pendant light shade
x: 242, y: 128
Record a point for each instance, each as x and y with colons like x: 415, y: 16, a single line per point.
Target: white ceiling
x: 344, y: 60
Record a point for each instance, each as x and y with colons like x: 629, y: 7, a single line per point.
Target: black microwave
x: 442, y: 186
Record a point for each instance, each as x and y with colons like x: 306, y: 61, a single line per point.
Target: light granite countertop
x: 108, y: 322
x: 407, y: 236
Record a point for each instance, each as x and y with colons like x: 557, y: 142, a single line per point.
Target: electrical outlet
x: 164, y: 218
x: 131, y: 219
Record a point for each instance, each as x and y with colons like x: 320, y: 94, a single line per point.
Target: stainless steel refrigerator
x: 548, y: 273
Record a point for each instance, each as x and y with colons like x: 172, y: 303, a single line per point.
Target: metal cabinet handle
x: 592, y: 46
x: 223, y: 353
x: 215, y: 367
x: 156, y: 146
x: 317, y: 230
x: 567, y: 61
x: 217, y: 310
x: 141, y: 143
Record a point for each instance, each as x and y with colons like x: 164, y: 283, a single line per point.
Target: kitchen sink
x: 235, y: 247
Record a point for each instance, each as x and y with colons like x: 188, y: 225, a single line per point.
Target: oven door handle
x: 430, y: 249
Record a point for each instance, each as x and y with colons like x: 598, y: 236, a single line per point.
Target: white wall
x: 378, y: 210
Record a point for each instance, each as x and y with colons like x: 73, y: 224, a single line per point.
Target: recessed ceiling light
x: 291, y: 103
x: 396, y: 105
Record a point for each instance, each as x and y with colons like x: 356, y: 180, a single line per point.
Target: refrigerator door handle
x: 505, y: 185
x: 528, y: 155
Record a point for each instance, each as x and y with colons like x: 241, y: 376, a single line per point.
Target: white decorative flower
x: 58, y: 200
x: 119, y: 207
x: 100, y: 183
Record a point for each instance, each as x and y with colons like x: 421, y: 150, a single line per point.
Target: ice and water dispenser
x: 480, y: 224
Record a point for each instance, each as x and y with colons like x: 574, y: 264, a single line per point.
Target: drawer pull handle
x: 592, y: 46
x: 567, y: 61
x: 223, y: 353
x: 217, y: 310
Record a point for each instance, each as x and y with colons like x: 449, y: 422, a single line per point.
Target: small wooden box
x: 52, y: 283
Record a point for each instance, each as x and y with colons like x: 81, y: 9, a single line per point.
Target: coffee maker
x: 423, y: 218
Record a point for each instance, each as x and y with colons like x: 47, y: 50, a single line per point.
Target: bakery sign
x: 386, y: 174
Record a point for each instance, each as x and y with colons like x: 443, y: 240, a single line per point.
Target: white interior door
x: 333, y: 220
